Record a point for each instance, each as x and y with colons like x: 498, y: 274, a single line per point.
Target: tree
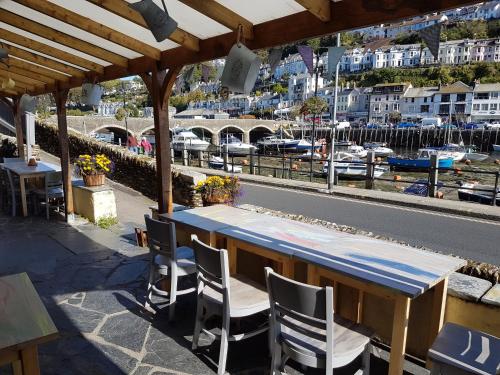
x: 180, y: 102
x: 196, y: 96
x: 314, y: 106
x: 394, y: 117
x: 120, y: 114
x: 279, y: 89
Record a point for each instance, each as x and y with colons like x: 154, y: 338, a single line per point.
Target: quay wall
x: 136, y: 171
x: 412, y: 139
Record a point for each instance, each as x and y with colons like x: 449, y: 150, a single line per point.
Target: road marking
x: 387, y: 205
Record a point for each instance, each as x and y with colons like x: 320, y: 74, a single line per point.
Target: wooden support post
x: 433, y: 175
x: 159, y: 84
x: 437, y: 314
x: 370, y: 169
x: 60, y: 97
x: 399, y: 333
x: 18, y: 122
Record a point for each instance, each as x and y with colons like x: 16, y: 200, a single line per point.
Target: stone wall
x: 135, y: 171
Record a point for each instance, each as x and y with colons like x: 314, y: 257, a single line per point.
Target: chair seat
x: 349, y: 340
x: 246, y: 297
x: 53, y: 193
x: 185, y: 261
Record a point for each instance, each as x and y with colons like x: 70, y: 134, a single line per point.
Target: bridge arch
x: 204, y: 132
x: 119, y: 132
x: 259, y: 131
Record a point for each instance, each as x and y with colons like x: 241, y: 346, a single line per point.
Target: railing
x: 288, y: 167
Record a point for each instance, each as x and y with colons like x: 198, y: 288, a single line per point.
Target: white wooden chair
x: 53, y: 193
x: 304, y: 328
x: 223, y: 295
x: 166, y: 259
x: 460, y: 350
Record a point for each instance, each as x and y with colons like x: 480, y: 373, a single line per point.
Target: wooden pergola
x: 59, y: 44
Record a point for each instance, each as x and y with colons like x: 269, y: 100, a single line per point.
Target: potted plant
x: 217, y: 190
x: 93, y: 169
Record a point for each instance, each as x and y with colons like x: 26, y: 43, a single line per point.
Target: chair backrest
x: 53, y: 180
x: 300, y: 307
x: 212, y: 267
x: 161, y: 237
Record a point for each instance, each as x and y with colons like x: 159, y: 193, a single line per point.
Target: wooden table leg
x: 399, y: 332
x: 289, y: 268
x: 232, y: 254
x: 437, y: 313
x: 22, y: 183
x: 29, y: 359
x: 17, y: 368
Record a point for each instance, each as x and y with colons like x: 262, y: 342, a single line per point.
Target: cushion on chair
x: 246, y: 297
x: 349, y: 340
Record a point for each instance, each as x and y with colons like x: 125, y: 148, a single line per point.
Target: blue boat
x: 422, y: 161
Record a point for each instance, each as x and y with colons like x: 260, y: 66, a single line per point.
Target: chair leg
x: 366, y: 360
x: 224, y: 342
x: 47, y: 208
x: 149, y: 291
x: 198, y: 323
x: 276, y: 364
x: 173, y: 293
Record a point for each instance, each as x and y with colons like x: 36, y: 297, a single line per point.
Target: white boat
x: 307, y: 156
x: 358, y: 151
x: 349, y: 166
x: 379, y: 149
x: 496, y: 148
x: 235, y: 146
x: 452, y: 150
x: 478, y: 193
x: 472, y: 154
x: 186, y: 139
x: 216, y: 162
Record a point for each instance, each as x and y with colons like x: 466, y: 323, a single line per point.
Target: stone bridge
x: 251, y: 129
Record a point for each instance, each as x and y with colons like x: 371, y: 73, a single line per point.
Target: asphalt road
x: 467, y: 237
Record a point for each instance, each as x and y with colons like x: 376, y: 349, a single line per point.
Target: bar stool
x: 223, y: 295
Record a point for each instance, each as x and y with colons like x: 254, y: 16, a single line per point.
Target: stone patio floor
x: 92, y: 282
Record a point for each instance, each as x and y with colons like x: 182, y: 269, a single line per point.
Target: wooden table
x: 24, y: 324
x: 24, y: 172
x: 385, y: 269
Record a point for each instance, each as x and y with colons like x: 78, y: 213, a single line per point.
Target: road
x: 466, y: 237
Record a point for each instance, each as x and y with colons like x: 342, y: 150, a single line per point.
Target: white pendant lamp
x: 159, y: 22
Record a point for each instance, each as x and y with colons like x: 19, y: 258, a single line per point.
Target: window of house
x: 460, y: 97
x: 424, y: 108
x: 444, y: 108
x: 413, y: 100
x: 493, y: 95
x: 493, y: 106
x: 387, y: 107
x: 387, y: 97
x: 475, y: 107
x: 445, y: 97
x: 395, y: 107
x: 484, y: 107
x: 481, y: 95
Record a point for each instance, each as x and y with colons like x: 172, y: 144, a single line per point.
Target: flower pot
x: 94, y: 179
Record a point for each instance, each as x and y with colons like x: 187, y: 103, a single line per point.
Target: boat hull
x: 482, y: 197
x: 496, y: 148
x: 190, y: 146
x: 475, y: 156
x: 400, y: 163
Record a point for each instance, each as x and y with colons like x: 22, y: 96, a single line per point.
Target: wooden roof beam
x: 89, y: 25
x: 41, y: 60
x: 49, y: 50
x: 219, y: 13
x: 20, y: 85
x: 31, y: 75
x: 122, y: 9
x: 37, y: 69
x: 61, y: 38
x: 319, y: 8
x: 21, y: 78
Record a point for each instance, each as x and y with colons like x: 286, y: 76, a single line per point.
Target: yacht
x: 187, y: 140
x: 358, y: 151
x: 350, y: 166
x: 235, y: 146
x: 273, y: 141
x: 380, y: 149
x: 456, y: 152
x: 216, y: 162
x: 471, y: 153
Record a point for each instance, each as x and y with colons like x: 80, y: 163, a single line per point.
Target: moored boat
x: 478, y: 193
x: 235, y: 146
x: 349, y: 166
x: 496, y: 148
x: 421, y: 161
x: 358, y: 151
x: 472, y: 154
x: 187, y: 140
x: 216, y: 162
x: 380, y: 149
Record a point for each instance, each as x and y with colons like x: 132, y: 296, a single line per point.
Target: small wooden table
x: 388, y: 270
x: 24, y: 324
x: 24, y: 172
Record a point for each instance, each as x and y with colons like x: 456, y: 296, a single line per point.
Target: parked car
x: 449, y: 126
x: 377, y: 126
x: 494, y: 125
x: 430, y: 122
x: 406, y: 125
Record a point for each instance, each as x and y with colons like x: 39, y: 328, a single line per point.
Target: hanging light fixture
x: 159, y: 22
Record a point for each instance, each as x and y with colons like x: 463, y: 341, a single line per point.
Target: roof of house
x: 420, y: 92
x: 457, y: 87
x: 486, y: 87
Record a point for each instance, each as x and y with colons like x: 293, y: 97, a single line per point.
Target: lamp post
x: 126, y: 113
x: 331, y: 167
x: 318, y: 69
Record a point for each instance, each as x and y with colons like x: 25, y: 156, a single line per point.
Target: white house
x: 486, y: 102
x: 454, y: 100
x: 301, y: 87
x: 417, y: 103
x: 385, y: 99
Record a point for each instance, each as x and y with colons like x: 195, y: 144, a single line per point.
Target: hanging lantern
x: 9, y: 83
x: 241, y: 69
x: 159, y: 22
x: 27, y: 103
x: 91, y: 94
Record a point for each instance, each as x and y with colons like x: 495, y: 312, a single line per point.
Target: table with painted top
x: 385, y: 269
x: 24, y: 324
x: 24, y: 171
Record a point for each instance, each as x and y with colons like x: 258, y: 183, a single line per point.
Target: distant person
x: 146, y: 146
x: 132, y: 144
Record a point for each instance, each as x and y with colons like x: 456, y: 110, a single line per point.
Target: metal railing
x: 288, y: 167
